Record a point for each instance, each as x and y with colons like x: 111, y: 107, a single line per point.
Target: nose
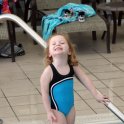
x: 58, y: 43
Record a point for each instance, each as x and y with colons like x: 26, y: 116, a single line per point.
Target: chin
x: 59, y: 53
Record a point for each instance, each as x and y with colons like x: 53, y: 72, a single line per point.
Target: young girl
x: 57, y: 81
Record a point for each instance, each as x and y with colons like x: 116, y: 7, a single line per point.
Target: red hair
x: 72, y: 60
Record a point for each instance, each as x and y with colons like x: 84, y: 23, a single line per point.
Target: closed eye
x: 62, y: 43
x: 54, y: 44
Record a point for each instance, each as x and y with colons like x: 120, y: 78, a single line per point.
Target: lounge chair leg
x: 12, y: 38
x: 119, y: 18
x: 94, y: 35
x: 103, y: 35
x: 108, y: 39
x: 33, y: 23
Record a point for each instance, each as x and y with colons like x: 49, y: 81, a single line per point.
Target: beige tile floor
x: 20, y: 97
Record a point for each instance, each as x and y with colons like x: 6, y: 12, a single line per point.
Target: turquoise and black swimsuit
x: 61, y: 91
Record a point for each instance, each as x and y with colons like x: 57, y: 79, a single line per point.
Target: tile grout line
x: 101, y: 80
x: 116, y: 78
x: 28, y: 78
x: 97, y: 77
x: 10, y: 106
x: 109, y: 61
x: 81, y: 97
x: 86, y: 102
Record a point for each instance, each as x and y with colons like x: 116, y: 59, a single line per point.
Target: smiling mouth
x: 58, y: 48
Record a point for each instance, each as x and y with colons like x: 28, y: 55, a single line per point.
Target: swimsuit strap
x: 57, y: 76
x: 55, y: 71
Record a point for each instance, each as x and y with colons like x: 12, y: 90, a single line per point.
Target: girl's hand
x: 51, y: 117
x: 101, y: 98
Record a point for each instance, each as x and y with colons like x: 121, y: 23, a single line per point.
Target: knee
x: 60, y: 118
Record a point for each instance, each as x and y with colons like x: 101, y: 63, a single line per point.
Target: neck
x: 60, y: 60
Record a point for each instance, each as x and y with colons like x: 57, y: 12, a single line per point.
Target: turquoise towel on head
x: 51, y: 21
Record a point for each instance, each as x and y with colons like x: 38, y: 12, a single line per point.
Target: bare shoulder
x: 47, y: 70
x: 47, y: 73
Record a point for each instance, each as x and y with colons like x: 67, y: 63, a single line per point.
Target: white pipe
x: 22, y: 24
x: 40, y: 41
x: 114, y: 110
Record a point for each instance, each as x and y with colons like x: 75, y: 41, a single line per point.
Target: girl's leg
x: 61, y: 119
x: 71, y: 116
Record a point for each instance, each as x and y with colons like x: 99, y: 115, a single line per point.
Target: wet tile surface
x: 20, y: 97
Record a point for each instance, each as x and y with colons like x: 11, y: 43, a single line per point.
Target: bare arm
x: 88, y: 83
x: 84, y: 79
x: 44, y: 82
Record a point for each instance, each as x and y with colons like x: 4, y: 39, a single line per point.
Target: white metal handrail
x: 26, y: 28
x: 40, y: 41
x: 114, y: 110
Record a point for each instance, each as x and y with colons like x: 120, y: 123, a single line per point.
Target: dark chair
x: 111, y: 15
x: 40, y: 8
x: 120, y: 17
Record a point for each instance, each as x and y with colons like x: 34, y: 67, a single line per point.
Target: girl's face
x: 58, y: 45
